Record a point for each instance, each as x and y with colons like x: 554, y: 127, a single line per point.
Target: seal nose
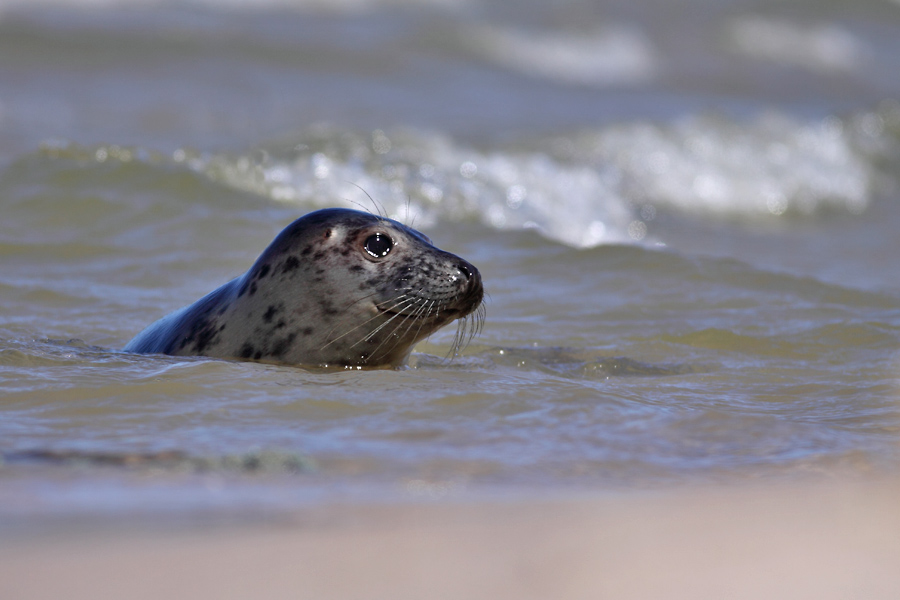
x: 473, y: 290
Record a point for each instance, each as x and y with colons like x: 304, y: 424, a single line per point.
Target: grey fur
x: 316, y: 297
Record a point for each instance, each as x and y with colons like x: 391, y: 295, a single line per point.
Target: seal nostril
x: 465, y: 269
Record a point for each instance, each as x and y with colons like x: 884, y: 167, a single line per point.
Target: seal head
x: 336, y: 287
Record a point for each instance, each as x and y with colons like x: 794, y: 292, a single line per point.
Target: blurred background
x: 734, y: 108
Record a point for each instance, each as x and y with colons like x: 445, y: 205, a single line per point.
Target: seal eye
x: 378, y: 245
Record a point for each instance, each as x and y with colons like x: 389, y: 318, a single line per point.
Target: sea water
x: 685, y: 214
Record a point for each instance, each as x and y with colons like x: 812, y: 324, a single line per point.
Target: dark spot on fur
x: 243, y: 289
x: 280, y: 324
x: 307, y: 331
x: 291, y: 264
x: 246, y: 350
x: 205, y: 336
x: 258, y: 355
x: 319, y: 255
x: 306, y: 251
x: 283, y: 345
x: 263, y: 271
x: 203, y: 330
x: 270, y: 313
x: 320, y: 271
x: 357, y: 268
x: 252, y: 288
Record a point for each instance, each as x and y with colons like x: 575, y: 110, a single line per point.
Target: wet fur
x: 315, y: 297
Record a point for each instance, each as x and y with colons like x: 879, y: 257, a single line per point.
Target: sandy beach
x: 815, y: 541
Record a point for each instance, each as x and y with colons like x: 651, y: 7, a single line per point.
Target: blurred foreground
x: 819, y: 541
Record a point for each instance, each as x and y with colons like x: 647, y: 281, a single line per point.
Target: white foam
x: 596, y: 187
x: 818, y: 47
x: 428, y: 178
x: 611, y: 54
x: 714, y: 166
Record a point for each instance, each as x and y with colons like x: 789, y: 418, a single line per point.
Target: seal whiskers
x: 363, y: 324
x: 467, y: 328
x: 415, y: 316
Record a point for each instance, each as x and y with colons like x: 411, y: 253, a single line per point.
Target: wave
x: 592, y: 187
x: 611, y: 54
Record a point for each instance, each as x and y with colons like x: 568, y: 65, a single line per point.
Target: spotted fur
x: 316, y: 297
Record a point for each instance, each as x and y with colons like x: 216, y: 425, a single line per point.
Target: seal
x: 335, y: 287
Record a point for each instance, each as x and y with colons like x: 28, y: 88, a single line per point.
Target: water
x: 685, y: 214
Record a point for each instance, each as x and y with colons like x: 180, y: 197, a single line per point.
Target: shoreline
x: 821, y: 540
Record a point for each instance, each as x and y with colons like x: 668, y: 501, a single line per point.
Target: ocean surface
x: 685, y: 212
